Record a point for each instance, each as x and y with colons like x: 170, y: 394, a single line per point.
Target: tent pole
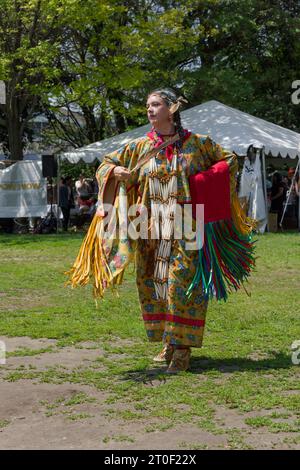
x: 289, y: 195
x: 299, y: 193
x: 57, y: 193
x: 263, y: 157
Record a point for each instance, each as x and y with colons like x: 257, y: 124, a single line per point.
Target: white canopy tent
x: 231, y: 128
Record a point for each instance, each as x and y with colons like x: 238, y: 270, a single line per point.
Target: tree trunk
x: 14, y: 127
x: 94, y: 126
x: 120, y: 122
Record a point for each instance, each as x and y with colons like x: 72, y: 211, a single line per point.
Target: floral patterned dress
x: 180, y: 319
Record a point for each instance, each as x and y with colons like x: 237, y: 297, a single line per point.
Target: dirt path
x: 40, y: 415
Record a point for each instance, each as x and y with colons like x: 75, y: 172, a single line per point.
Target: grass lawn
x: 244, y: 368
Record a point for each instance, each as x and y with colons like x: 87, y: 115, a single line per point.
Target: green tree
x: 250, y: 56
x: 113, y: 53
x: 89, y: 64
x: 29, y: 40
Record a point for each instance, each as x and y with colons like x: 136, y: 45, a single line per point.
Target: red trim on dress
x: 172, y: 318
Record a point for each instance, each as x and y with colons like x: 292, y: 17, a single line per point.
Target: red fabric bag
x: 212, y: 188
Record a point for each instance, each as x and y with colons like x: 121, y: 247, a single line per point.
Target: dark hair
x: 277, y: 177
x: 170, y: 97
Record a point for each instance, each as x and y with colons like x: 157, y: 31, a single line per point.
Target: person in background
x: 66, y: 199
x: 64, y: 202
x: 278, y: 192
x: 296, y: 190
x: 95, y: 187
x: 295, y: 194
x: 286, y: 181
x: 82, y: 187
x: 71, y: 199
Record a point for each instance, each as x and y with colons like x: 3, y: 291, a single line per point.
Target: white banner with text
x: 23, y: 190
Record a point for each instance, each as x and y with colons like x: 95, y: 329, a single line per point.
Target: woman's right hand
x: 121, y: 174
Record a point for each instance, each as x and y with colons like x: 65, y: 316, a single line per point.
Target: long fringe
x: 91, y: 262
x: 227, y: 256
x: 243, y: 224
